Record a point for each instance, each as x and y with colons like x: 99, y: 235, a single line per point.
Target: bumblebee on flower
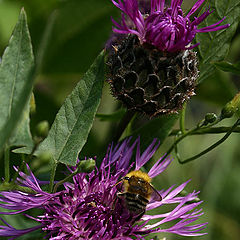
x: 153, y: 69
x: 85, y: 209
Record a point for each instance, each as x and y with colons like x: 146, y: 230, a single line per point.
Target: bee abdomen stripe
x: 132, y: 202
x: 136, y: 205
x: 136, y: 197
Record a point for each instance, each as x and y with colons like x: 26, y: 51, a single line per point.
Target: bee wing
x: 155, y: 194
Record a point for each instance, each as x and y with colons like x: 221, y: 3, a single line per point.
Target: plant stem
x: 53, y: 172
x: 182, y: 119
x: 123, y: 124
x: 178, y: 140
x: 212, y: 146
x: 187, y: 133
x: 45, y: 40
x: 6, y: 164
x: 64, y: 180
x: 213, y: 130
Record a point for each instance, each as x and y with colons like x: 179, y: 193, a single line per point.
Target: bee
x: 137, y: 193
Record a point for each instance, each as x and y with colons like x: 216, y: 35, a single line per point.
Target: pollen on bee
x: 139, y: 174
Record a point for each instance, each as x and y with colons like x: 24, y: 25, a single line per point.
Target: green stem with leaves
x: 187, y: 133
x: 209, y: 148
x: 213, y: 130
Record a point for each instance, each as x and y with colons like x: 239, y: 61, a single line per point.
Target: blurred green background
x: 67, y: 35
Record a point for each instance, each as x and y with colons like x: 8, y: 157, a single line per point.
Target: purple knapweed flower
x: 88, y: 208
x: 152, y: 68
x: 166, y: 28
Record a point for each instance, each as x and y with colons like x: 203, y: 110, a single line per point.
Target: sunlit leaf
x: 74, y: 120
x: 16, y: 80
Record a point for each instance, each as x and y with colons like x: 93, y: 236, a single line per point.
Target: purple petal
x: 195, y: 7
x: 147, y: 154
x: 159, y: 167
x: 9, y: 231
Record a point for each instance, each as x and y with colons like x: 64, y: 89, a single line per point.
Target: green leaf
x: 74, y: 120
x: 22, y: 135
x: 215, y: 45
x: 228, y: 67
x: 16, y: 80
x: 156, y: 128
x: 114, y: 117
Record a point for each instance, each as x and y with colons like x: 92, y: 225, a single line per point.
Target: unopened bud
x: 86, y: 165
x: 210, y: 117
x: 45, y: 157
x: 231, y: 107
x: 42, y: 129
x: 228, y: 111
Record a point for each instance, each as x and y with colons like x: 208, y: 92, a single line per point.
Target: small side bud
x: 228, y: 111
x: 231, y: 107
x: 42, y: 129
x: 86, y: 165
x: 210, y: 118
x: 45, y: 157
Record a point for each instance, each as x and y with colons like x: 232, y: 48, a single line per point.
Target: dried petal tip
x: 151, y: 81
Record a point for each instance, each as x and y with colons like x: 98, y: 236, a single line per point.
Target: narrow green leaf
x: 84, y: 33
x: 114, y: 117
x: 228, y: 67
x: 156, y: 128
x: 16, y: 80
x: 215, y: 45
x: 74, y: 120
x: 22, y: 135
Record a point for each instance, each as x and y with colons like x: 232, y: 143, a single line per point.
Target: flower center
x: 164, y: 30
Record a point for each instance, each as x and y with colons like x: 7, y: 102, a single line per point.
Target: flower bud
x: 45, y: 157
x: 42, y: 129
x: 231, y: 107
x: 86, y: 165
x: 210, y: 118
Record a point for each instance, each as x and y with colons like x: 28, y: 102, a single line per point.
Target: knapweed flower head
x: 152, y: 69
x: 89, y: 207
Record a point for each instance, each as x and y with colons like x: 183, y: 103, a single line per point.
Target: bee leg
x: 119, y: 195
x: 139, y: 216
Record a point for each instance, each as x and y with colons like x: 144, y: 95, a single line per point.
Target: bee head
x: 138, y: 182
